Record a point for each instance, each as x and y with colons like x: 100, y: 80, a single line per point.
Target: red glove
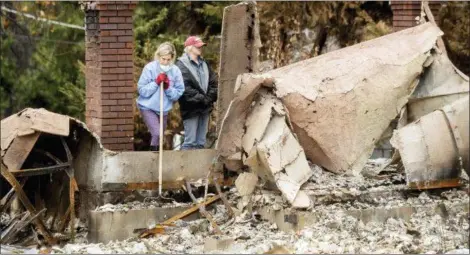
x: 163, y: 78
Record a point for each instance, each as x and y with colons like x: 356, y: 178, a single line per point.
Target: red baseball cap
x: 194, y: 41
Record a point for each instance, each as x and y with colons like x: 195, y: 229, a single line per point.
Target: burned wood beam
x: 9, y: 197
x: 224, y: 199
x: 202, y: 210
x: 27, y: 204
x: 63, y: 221
x: 11, y: 230
x: 21, y: 224
x: 159, y: 228
x: 40, y: 170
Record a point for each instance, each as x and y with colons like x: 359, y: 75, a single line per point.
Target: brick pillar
x: 109, y: 72
x: 405, y: 13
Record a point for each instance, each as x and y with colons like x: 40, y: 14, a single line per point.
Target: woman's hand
x: 163, y: 78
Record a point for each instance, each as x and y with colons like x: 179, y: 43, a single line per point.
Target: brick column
x: 405, y: 13
x: 109, y: 72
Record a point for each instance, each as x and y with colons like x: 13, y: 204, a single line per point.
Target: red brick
x: 117, y: 19
x: 111, y: 7
x: 117, y: 32
x: 104, y: 45
x: 129, y: 32
x: 125, y: 102
x: 130, y: 45
x: 109, y: 13
x: 125, y: 13
x: 120, y: 108
x: 108, y: 39
x: 126, y: 127
x: 110, y: 115
x: 125, y: 114
x: 125, y: 39
x: 399, y: 17
x: 123, y: 77
x: 109, y: 128
x: 122, y: 7
x: 125, y: 51
x: 129, y: 20
x: 125, y: 26
x: 117, y: 45
x: 105, y: 33
x: 129, y: 70
x: 107, y: 26
x: 118, y: 70
x: 109, y: 102
x: 125, y: 89
x: 110, y: 64
x: 117, y: 96
x: 104, y: 20
x: 109, y: 77
x: 101, y: 7
x: 112, y: 58
x: 109, y: 89
x: 109, y: 140
x: 116, y: 83
x: 114, y: 122
x: 130, y: 95
x: 109, y: 51
x: 118, y: 133
x: 125, y: 64
x: 123, y: 140
x: 132, y: 5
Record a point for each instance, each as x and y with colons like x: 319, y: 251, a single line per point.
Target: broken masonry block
x: 435, y: 148
x: 246, y: 183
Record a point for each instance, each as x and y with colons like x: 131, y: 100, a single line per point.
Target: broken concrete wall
x: 229, y: 142
x: 239, y: 50
x: 442, y: 83
x: 436, y: 146
x: 340, y: 103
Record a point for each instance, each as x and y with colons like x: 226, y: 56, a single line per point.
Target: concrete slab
x: 103, y: 170
x: 120, y: 225
x: 142, y: 166
x: 289, y: 220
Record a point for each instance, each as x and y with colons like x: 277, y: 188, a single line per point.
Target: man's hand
x: 163, y: 78
x: 207, y: 101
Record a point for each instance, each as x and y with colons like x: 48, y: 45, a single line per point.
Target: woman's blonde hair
x: 166, y: 48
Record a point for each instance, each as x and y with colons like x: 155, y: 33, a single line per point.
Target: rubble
x: 246, y: 183
x: 435, y: 148
x: 341, y: 102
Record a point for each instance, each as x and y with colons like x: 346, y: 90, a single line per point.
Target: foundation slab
x: 105, y: 226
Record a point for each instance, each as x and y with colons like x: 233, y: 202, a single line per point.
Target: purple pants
x: 152, y: 120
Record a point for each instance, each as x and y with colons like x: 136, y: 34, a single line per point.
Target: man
x: 199, y: 95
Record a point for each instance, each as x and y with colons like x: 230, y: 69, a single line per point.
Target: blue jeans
x: 195, y: 131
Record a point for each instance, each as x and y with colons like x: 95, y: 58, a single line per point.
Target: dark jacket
x: 194, y: 100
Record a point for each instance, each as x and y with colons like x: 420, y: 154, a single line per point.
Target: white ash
x: 332, y: 232
x: 137, y: 205
x: 5, y: 218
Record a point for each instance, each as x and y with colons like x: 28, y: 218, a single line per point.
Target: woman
x: 159, y: 72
